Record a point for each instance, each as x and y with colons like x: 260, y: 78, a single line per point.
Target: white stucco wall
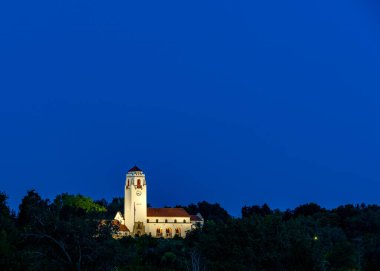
x: 152, y: 226
x: 135, y: 199
x: 119, y: 217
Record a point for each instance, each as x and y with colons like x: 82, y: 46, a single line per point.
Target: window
x: 168, y: 232
x: 156, y: 220
x: 166, y: 221
x: 178, y: 232
x: 175, y: 220
x: 184, y: 221
x: 159, y: 232
x: 139, y: 183
x: 147, y: 221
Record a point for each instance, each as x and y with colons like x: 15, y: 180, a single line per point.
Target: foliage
x: 9, y: 237
x: 117, y: 204
x: 79, y: 202
x: 30, y: 209
x: 248, y: 211
x: 209, y: 211
x: 71, y: 233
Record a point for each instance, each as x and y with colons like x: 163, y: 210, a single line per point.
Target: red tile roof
x: 167, y: 212
x: 115, y: 222
x: 123, y: 228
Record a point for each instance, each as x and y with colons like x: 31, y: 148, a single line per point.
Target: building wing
x: 167, y: 212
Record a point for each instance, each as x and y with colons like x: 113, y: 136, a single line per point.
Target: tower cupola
x: 135, y: 169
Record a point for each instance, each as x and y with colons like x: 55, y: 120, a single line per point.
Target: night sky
x: 235, y: 102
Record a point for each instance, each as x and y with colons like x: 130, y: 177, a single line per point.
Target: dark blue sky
x: 236, y: 102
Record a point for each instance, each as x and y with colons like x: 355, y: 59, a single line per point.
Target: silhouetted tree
x: 263, y: 210
x: 209, y: 211
x: 9, y: 237
x: 71, y: 234
x: 308, y: 209
x: 31, y: 210
x: 116, y: 205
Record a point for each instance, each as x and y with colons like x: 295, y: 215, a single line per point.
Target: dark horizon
x: 236, y: 103
x: 281, y: 208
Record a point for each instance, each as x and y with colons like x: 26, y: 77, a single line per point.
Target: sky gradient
x: 236, y: 102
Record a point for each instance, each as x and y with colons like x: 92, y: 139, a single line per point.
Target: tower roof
x: 135, y: 168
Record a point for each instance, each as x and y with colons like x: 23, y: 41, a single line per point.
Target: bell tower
x: 135, y: 201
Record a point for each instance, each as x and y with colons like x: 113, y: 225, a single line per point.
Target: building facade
x: 138, y: 219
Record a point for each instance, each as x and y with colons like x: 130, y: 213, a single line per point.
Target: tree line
x: 71, y: 233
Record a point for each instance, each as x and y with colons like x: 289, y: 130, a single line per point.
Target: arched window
x: 138, y: 183
x: 156, y: 220
x: 184, y: 221
x: 159, y: 232
x: 168, y: 232
x: 175, y: 220
x: 147, y: 221
x: 166, y: 221
x: 178, y: 232
x: 128, y: 183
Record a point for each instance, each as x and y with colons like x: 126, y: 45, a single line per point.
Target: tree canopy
x: 79, y: 202
x: 73, y: 233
